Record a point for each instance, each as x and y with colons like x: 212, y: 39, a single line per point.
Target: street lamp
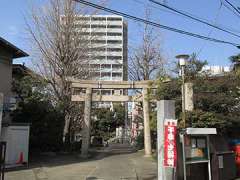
x: 182, y: 59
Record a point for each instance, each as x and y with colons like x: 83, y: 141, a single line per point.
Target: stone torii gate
x: 89, y: 97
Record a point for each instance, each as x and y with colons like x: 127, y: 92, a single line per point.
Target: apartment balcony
x: 117, y: 78
x: 98, y: 29
x: 105, y: 61
x: 106, y: 78
x: 114, y: 30
x: 106, y: 70
x: 114, y: 53
x: 118, y: 23
x: 114, y: 38
x: 115, y: 70
x: 95, y: 37
x: 95, y: 22
x: 82, y: 30
x: 114, y: 46
x: 98, y: 45
x: 99, y: 53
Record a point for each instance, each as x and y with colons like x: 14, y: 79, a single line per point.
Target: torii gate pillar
x: 86, y: 123
x: 147, y: 132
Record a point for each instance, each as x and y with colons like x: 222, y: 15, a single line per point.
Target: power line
x: 164, y: 10
x: 211, y: 31
x: 236, y: 9
x: 203, y: 19
x: 156, y: 24
x: 194, y: 18
x: 229, y: 8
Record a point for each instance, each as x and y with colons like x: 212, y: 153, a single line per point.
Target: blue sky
x: 13, y: 28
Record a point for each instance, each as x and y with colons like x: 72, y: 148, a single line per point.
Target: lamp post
x: 182, y: 59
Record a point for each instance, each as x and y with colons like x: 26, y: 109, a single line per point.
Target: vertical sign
x: 170, y: 147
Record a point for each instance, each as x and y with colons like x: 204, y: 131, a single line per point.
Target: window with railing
x: 114, y: 41
x: 114, y: 26
x: 98, y: 18
x: 99, y: 41
x: 105, y: 66
x: 114, y: 49
x: 114, y: 57
x: 114, y: 34
x: 116, y: 74
x: 98, y: 49
x: 117, y: 67
x: 114, y: 19
x: 98, y: 34
x: 82, y: 25
x: 82, y: 18
x: 106, y: 75
x: 98, y: 26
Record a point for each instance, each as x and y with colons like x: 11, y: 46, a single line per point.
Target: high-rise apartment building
x: 108, y: 57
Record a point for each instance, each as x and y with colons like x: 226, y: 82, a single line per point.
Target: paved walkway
x: 117, y: 162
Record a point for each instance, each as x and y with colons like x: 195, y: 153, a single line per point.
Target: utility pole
x: 182, y: 62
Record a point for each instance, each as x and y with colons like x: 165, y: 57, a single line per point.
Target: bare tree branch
x: 61, y: 49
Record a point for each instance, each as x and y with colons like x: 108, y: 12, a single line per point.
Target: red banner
x: 170, y: 147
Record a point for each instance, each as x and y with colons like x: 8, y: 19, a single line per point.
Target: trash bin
x: 226, y: 165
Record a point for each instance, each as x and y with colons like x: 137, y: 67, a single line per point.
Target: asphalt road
x: 117, y: 162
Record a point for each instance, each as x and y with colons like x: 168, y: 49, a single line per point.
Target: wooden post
x: 86, y: 123
x: 147, y: 133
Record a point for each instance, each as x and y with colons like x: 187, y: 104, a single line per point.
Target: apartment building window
x: 98, y: 26
x: 114, y: 26
x: 106, y: 92
x: 114, y: 41
x: 117, y: 66
x: 105, y: 75
x: 98, y: 57
x: 114, y: 34
x: 114, y: 49
x: 114, y: 19
x: 114, y: 57
x: 99, y: 34
x: 106, y: 66
x: 98, y: 49
x: 117, y: 92
x: 114, y: 74
x: 84, y: 33
x: 98, y: 19
x: 96, y: 91
x: 99, y: 41
x: 95, y: 67
x: 82, y: 25
x: 82, y: 18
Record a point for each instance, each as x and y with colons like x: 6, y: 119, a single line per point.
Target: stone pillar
x: 125, y: 132
x: 1, y: 111
x: 147, y: 133
x: 165, y: 110
x: 189, y: 97
x: 86, y: 123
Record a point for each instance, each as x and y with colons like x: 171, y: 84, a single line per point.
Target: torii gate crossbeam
x: 88, y: 97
